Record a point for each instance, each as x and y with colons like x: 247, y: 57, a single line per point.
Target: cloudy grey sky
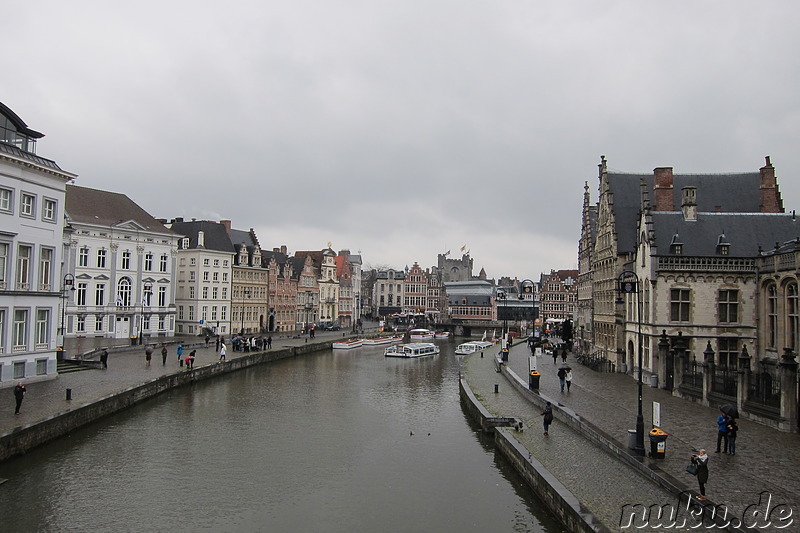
x: 403, y: 129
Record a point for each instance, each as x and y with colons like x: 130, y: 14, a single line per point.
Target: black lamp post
x: 245, y: 293
x: 67, y: 285
x: 628, y: 283
x: 501, y: 295
x: 526, y: 288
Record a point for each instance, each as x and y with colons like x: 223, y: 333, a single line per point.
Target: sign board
x: 656, y: 414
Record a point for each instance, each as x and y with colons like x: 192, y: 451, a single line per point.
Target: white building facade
x: 31, y: 226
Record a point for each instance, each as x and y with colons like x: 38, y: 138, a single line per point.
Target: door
x: 123, y: 329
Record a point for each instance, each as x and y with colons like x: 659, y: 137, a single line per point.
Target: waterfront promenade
x: 765, y: 460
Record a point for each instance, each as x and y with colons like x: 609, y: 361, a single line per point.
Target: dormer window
x: 185, y: 243
x: 676, y: 246
x: 723, y: 246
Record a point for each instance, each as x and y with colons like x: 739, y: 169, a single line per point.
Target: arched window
x: 792, y: 316
x: 772, y: 315
x: 124, y: 292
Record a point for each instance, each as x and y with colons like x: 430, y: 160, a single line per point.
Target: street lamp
x: 526, y: 293
x: 245, y: 293
x: 628, y: 283
x: 501, y: 295
x: 148, y: 292
x: 67, y: 284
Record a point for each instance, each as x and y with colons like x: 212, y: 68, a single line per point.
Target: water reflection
x: 318, y: 443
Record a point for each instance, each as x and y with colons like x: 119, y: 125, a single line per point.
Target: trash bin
x: 133, y: 340
x: 533, y: 380
x: 654, y: 380
x: 658, y: 443
x: 60, y: 353
x: 504, y: 354
x: 631, y: 439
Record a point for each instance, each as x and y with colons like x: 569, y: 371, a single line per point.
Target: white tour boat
x: 421, y: 335
x: 346, y: 345
x: 382, y: 340
x: 472, y: 347
x: 441, y: 335
x: 414, y: 349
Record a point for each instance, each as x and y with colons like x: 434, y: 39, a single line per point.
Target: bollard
x: 496, y: 388
x: 69, y: 394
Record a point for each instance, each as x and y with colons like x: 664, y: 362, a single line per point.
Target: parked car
x: 328, y: 326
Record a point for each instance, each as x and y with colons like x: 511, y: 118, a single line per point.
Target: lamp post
x: 148, y: 292
x: 527, y: 294
x: 245, y: 293
x: 67, y: 284
x: 627, y: 284
x: 501, y: 295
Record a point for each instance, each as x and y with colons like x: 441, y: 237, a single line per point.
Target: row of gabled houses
x: 696, y: 275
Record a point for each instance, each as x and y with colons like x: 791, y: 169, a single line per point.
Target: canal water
x: 339, y: 441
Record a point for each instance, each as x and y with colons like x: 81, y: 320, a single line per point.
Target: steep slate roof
x: 316, y: 256
x: 732, y: 193
x: 104, y: 208
x: 745, y: 232
x: 298, y: 263
x: 215, y: 236
x: 238, y: 237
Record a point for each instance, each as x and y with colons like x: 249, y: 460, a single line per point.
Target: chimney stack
x: 663, y: 189
x: 689, y: 203
x: 227, y: 224
x: 770, y: 195
x: 201, y: 239
x: 283, y: 249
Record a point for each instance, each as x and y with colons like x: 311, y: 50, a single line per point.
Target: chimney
x: 283, y: 249
x: 227, y: 224
x: 201, y: 239
x: 276, y: 250
x: 770, y: 195
x: 663, y: 189
x: 689, y: 203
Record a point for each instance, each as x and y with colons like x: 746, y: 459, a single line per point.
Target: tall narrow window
x: 148, y: 261
x: 162, y: 296
x: 80, y: 294
x: 124, y: 292
x: 24, y: 256
x: 728, y: 306
x: 83, y: 256
x: 679, y: 305
x: 46, y: 269
x: 101, y: 258
x: 792, y: 316
x: 100, y: 294
x: 49, y: 210
x: 3, y: 264
x: 772, y: 316
x: 98, y: 323
x: 163, y: 263
x: 42, y: 326
x: 6, y: 197
x: 20, y: 331
x: 2, y: 329
x: 126, y: 260
x: 27, y: 205
x: 728, y: 352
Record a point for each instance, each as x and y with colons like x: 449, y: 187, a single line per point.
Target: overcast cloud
x: 402, y: 129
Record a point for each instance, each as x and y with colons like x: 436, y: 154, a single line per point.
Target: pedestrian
x: 179, y: 350
x: 104, y: 358
x: 548, y: 417
x: 217, y: 348
x: 562, y: 377
x: 269, y: 342
x: 190, y: 359
x: 722, y: 433
x: 563, y: 355
x: 700, y: 460
x: 207, y: 339
x: 222, y: 352
x: 148, y: 354
x: 164, y: 354
x: 733, y: 428
x: 555, y: 356
x: 568, y: 378
x: 19, y: 394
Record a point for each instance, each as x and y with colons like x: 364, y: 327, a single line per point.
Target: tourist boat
x: 472, y: 347
x: 382, y: 340
x: 346, y: 345
x: 441, y: 335
x: 421, y: 335
x: 414, y: 349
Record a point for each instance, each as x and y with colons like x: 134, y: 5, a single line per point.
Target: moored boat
x: 382, y: 340
x: 421, y: 334
x: 472, y: 347
x: 441, y: 335
x: 346, y: 345
x: 414, y: 349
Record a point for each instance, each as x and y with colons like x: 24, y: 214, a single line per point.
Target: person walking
x: 148, y: 355
x: 548, y: 417
x: 733, y: 428
x: 568, y: 379
x: 722, y: 433
x: 222, y: 352
x: 207, y: 339
x: 269, y: 342
x: 104, y: 358
x: 179, y: 350
x: 562, y: 377
x: 555, y: 356
x: 164, y: 354
x: 19, y: 394
x: 700, y: 460
x: 217, y: 348
x: 564, y: 355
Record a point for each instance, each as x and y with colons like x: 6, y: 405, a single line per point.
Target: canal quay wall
x: 24, y: 438
x: 558, y: 499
